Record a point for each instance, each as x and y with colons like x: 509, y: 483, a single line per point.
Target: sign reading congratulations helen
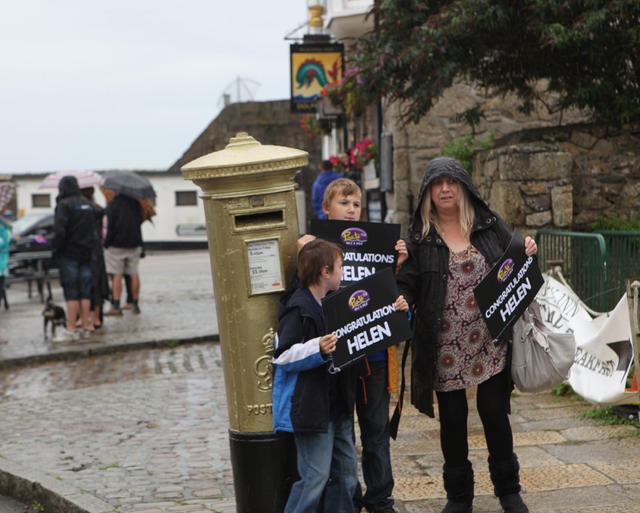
x: 364, y: 318
x: 508, y: 288
x: 367, y: 247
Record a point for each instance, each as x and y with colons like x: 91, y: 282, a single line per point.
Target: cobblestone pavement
x: 146, y: 432
x: 141, y: 431
x: 93, y: 428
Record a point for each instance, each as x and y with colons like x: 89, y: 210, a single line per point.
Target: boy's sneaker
x: 64, y: 336
x: 135, y: 309
x: 85, y: 333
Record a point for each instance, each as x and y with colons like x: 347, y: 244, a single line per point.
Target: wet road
x: 142, y: 430
x: 133, y: 419
x: 40, y: 380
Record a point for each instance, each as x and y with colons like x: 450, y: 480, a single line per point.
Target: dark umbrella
x: 129, y: 183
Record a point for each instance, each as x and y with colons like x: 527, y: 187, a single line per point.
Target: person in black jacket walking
x: 75, y: 238
x: 123, y: 247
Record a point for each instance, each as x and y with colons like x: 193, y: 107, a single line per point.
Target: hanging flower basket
x: 364, y: 152
x: 348, y: 95
x: 313, y: 126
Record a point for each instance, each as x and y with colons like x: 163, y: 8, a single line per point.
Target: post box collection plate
x: 265, y: 270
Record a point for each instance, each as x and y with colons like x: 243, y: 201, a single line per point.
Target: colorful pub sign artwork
x: 313, y: 66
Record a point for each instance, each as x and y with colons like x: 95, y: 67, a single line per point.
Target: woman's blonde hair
x: 430, y: 216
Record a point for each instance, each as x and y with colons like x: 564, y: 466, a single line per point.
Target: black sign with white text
x: 508, y: 288
x: 367, y: 247
x: 364, y: 318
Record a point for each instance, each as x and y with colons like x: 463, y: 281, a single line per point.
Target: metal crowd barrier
x: 623, y: 261
x: 583, y: 258
x: 596, y: 265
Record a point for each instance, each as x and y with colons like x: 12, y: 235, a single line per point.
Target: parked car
x: 34, y: 234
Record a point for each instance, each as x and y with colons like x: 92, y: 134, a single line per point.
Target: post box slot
x: 256, y: 220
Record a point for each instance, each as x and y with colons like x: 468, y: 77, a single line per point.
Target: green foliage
x: 462, y: 149
x: 37, y: 507
x: 586, y: 53
x: 608, y: 417
x: 562, y: 390
x: 617, y: 223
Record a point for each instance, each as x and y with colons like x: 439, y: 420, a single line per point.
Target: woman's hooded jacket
x: 423, y: 277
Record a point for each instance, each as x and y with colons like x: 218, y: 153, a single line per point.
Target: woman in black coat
x: 454, y: 239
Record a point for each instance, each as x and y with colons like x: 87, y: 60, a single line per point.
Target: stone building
x: 269, y: 123
x: 546, y: 170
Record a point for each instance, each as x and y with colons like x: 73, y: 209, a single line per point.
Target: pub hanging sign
x: 313, y: 66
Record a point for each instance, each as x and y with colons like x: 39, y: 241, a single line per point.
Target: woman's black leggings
x: 493, y: 406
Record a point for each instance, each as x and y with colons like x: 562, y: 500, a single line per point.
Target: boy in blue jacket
x: 343, y: 202
x: 313, y: 403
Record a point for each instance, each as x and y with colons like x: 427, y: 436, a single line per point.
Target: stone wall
x: 415, y: 145
x: 562, y: 178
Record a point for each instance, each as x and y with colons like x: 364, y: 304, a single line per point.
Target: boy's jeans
x: 325, y: 460
x: 373, y: 420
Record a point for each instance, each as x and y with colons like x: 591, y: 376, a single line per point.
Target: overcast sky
x: 131, y: 83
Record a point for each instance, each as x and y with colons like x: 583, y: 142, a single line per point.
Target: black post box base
x: 264, y: 468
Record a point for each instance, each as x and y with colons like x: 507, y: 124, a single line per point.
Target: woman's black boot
x: 458, y: 483
x: 505, y: 476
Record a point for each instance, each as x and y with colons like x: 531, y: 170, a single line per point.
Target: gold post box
x: 252, y: 227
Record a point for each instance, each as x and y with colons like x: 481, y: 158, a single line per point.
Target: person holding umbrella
x: 123, y: 242
x: 122, y: 248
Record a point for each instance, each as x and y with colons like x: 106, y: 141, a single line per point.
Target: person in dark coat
x: 123, y: 247
x: 324, y: 178
x: 454, y: 240
x: 73, y: 244
x: 100, y: 281
x: 309, y: 401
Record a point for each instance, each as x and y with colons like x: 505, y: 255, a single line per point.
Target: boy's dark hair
x: 327, y: 164
x: 315, y: 256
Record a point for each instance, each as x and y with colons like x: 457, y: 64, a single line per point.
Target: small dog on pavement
x: 54, y: 315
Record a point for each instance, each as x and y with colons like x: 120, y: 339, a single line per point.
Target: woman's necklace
x: 462, y: 254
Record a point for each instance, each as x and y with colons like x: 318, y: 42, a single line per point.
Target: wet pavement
x: 135, y: 419
x: 176, y: 300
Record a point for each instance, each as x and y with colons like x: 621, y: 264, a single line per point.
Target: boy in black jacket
x: 310, y: 401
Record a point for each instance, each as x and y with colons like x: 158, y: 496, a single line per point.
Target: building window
x: 41, y: 200
x: 184, y: 198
